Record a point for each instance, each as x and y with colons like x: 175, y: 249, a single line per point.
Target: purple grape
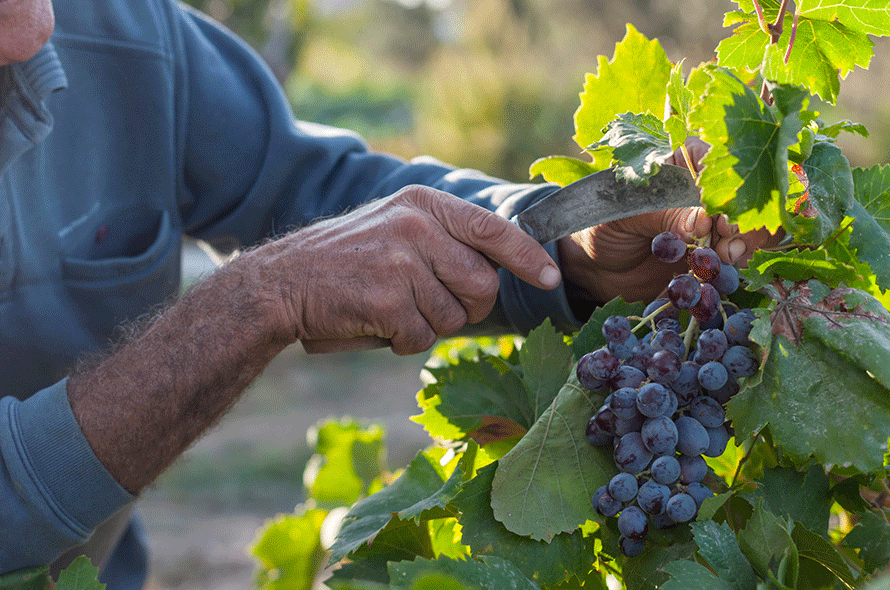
x: 665, y: 470
x: 606, y: 504
x: 699, y: 492
x: 681, y: 508
x: 653, y: 399
x: 708, y: 306
x: 670, y: 312
x: 740, y: 361
x: 712, y: 375
x: 631, y: 547
x: 596, y: 436
x: 692, y: 468
x: 692, y: 438
x: 665, y: 367
x: 712, y: 344
x: 584, y: 372
x: 718, y: 438
x: 628, y: 376
x: 626, y: 426
x: 631, y: 454
x: 623, y: 350
x: 623, y: 403
x: 641, y: 356
x: 603, y: 364
x: 725, y: 393
x: 738, y: 327
x: 686, y: 384
x: 705, y: 263
x: 668, y: 247
x: 684, y: 291
x: 653, y: 497
x: 605, y: 419
x: 659, y: 435
x: 669, y: 340
x: 661, y: 521
x: 633, y: 524
x: 623, y: 487
x: 616, y: 328
x: 727, y: 280
x: 707, y: 411
x: 669, y: 324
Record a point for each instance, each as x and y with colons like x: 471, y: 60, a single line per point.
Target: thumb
x: 690, y: 223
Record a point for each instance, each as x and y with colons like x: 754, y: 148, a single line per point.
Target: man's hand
x: 616, y: 258
x: 401, y: 271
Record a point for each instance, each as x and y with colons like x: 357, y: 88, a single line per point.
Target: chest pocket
x: 120, y: 265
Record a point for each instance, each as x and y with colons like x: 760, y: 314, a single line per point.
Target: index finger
x: 495, y: 237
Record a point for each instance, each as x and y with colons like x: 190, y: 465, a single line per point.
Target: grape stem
x: 688, y: 159
x: 650, y: 318
x: 691, y: 329
x: 774, y: 30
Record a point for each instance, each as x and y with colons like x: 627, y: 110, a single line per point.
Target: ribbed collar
x: 24, y: 88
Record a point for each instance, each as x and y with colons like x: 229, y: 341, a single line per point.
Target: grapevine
x: 732, y: 434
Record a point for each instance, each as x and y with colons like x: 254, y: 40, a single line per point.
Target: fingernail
x: 549, y: 277
x: 689, y: 222
x: 736, y: 249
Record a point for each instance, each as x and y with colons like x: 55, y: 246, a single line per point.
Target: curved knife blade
x: 600, y: 198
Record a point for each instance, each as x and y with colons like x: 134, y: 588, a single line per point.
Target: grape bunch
x: 665, y: 411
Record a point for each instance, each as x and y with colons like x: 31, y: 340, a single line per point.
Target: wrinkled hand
x: 616, y: 258
x: 399, y: 272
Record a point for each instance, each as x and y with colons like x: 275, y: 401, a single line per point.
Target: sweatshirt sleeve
x: 53, y: 491
x: 265, y: 172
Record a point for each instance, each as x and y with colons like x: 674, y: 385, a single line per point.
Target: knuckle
x: 487, y: 227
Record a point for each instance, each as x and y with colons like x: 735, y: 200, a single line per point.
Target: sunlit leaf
x: 639, y: 146
x: 564, y: 170
x: 289, y: 550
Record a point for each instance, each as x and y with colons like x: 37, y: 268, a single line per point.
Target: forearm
x: 143, y: 405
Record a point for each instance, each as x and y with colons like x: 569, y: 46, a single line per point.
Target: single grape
x: 692, y: 438
x: 684, y: 291
x: 653, y: 399
x: 681, y: 507
x: 606, y: 504
x: 659, y: 435
x: 624, y: 403
x: 652, y: 497
x: 665, y: 367
x: 661, y: 521
x: 712, y: 375
x: 725, y: 393
x: 631, y: 547
x: 632, y: 522
x: 727, y: 280
x: 669, y: 324
x: 692, y: 468
x: 597, y: 436
x: 623, y: 487
x: 641, y: 356
x: 668, y: 247
x: 603, y: 364
x: 672, y: 407
x: 665, y: 470
x: 669, y: 340
x: 740, y: 361
x: 585, y: 375
x: 605, y: 419
x: 616, y: 328
x: 712, y: 344
x: 628, y: 376
x: 623, y: 350
x: 718, y: 438
x: 708, y: 306
x: 686, y: 384
x: 625, y: 426
x: 705, y: 263
x: 669, y: 312
x: 707, y: 411
x: 631, y: 454
x: 699, y: 493
x: 738, y: 327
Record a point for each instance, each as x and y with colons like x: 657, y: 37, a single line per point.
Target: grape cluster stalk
x: 668, y: 389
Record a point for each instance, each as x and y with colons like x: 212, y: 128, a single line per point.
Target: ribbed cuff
x: 56, y: 465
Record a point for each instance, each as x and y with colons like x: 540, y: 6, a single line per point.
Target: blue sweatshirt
x: 138, y: 123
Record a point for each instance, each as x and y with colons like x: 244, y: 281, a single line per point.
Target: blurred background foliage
x: 489, y: 84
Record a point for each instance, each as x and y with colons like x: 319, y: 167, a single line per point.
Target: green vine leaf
x: 564, y: 170
x: 634, y: 80
x: 765, y: 539
x: 80, y: 575
x: 822, y: 342
x: 797, y: 265
x: 718, y: 546
x: 830, y: 194
x: 546, y: 360
x: 590, y: 336
x: 689, y: 574
x: 825, y: 49
x: 639, y: 146
x: 866, y: 16
x: 652, y: 569
x: 871, y: 536
x: 289, y: 551
x: 821, y: 564
x: 745, y: 172
x: 543, y: 486
x: 30, y: 579
x: 545, y: 563
x: 681, y: 99
x: 800, y: 496
x: 420, y: 492
x: 871, y: 228
x: 487, y: 572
